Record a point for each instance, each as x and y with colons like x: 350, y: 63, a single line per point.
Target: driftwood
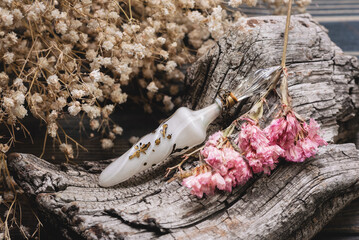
x: 294, y: 202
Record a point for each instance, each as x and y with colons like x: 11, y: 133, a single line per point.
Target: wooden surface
x: 281, y: 206
x: 340, y: 17
x: 334, y: 100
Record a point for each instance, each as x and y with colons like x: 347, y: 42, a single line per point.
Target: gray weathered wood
x: 322, y: 79
x: 294, y: 202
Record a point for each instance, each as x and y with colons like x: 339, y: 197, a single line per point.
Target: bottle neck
x: 210, y: 113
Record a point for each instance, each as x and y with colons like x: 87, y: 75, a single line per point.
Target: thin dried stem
x: 129, y: 7
x: 185, y: 158
x: 43, y: 146
x: 73, y: 140
x: 286, y: 33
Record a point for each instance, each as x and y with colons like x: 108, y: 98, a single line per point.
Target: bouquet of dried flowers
x: 230, y: 160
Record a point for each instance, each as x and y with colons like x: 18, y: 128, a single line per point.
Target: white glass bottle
x: 183, y: 130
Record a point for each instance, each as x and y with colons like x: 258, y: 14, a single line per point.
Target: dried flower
x: 234, y: 3
x: 4, y: 148
x: 74, y: 108
x: 9, y: 57
x: 107, y: 45
x: 52, y: 129
x: 133, y: 139
x: 95, y: 75
x: 106, y: 143
x: 204, y: 183
x: 226, y: 168
x: 8, y: 196
x: 152, y: 87
x: 170, y: 66
x: 67, y: 150
x: 117, y: 130
x: 262, y: 155
x: 168, y: 103
x: 299, y: 140
x: 78, y: 93
x: 117, y: 96
x: 92, y: 111
x: 226, y: 160
x: 94, y: 124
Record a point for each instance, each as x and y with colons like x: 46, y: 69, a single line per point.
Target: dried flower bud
x: 117, y: 130
x: 67, y: 150
x: 106, y: 143
x: 4, y: 148
x: 52, y: 129
x: 107, y: 45
x: 170, y: 66
x: 95, y: 75
x: 9, y: 57
x: 74, y: 108
x: 152, y: 87
x: 133, y: 139
x: 94, y: 124
x: 168, y: 103
x: 107, y: 110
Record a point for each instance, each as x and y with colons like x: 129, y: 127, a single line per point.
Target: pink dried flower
x: 225, y: 160
x: 260, y: 153
x: 238, y: 170
x: 296, y: 137
x: 204, y: 183
x: 227, y: 168
x: 214, y: 138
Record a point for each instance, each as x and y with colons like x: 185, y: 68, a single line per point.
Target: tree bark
x: 294, y: 202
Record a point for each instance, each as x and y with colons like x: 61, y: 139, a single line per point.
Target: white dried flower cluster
x: 79, y: 57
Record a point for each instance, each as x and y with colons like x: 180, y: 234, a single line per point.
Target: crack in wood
x: 149, y: 225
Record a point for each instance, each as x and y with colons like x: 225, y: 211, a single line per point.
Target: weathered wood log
x: 322, y: 79
x: 294, y: 202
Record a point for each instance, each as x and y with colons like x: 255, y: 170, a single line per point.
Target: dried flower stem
x: 43, y: 146
x: 185, y: 158
x: 286, y: 33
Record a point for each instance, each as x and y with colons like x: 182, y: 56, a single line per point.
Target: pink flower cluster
x: 262, y: 155
x: 298, y: 139
x: 228, y: 168
x: 204, y: 183
x: 285, y: 137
